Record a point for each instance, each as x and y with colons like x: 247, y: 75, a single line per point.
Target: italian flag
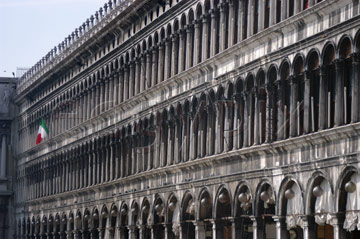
x: 42, y: 133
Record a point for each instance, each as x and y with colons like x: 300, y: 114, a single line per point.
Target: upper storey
x: 153, y: 51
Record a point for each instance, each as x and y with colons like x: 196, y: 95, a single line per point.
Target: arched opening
x: 250, y: 109
x: 243, y: 210
x: 205, y: 213
x: 159, y: 219
x: 278, y: 10
x: 256, y: 17
x: 86, y: 225
x: 203, y: 127
x: 329, y: 82
x: 266, y: 211
x: 195, y: 122
x: 261, y: 107
x: 223, y: 214
x: 292, y: 208
x: 78, y: 225
x: 245, y: 7
x: 345, y: 51
x: 95, y: 224
x: 57, y: 227
x: 124, y: 222
x: 321, y: 205
x: 188, y: 216
x: 173, y: 218
x: 349, y: 203
x: 63, y: 226
x: 297, y: 94
x: 220, y: 103
x: 134, y: 219
x: 145, y: 209
x: 283, y: 102
x: 239, y: 119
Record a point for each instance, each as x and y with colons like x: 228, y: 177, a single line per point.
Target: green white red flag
x: 42, y: 133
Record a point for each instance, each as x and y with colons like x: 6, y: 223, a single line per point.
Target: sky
x: 29, y: 29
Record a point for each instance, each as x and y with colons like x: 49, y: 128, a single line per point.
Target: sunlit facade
x: 199, y: 119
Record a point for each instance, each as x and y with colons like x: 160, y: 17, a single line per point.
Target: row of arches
x: 312, y: 93
x: 201, y: 32
x: 311, y: 207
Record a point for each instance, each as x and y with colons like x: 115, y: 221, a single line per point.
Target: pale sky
x: 29, y: 29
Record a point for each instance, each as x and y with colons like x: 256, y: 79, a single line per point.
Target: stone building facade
x: 194, y: 119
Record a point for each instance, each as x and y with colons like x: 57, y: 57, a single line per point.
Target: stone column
x: 307, y: 107
x: 250, y: 17
x: 97, y: 99
x: 93, y: 109
x: 102, y: 96
x: 132, y: 79
x: 148, y: 79
x: 137, y: 75
x: 213, y: 38
x: 214, y: 229
x: 197, y: 42
x: 106, y: 95
x: 182, y: 50
x: 174, y: 54
x: 126, y: 82
x: 199, y: 229
x: 222, y: 41
x: 337, y: 222
x: 232, y: 25
x: 281, y: 231
x: 280, y: 110
x: 293, y: 105
x: 141, y: 231
x: 256, y: 117
x: 111, y: 89
x: 116, y: 89
x: 161, y: 62
x: 323, y: 99
x: 205, y: 37
x: 269, y: 113
x: 355, y: 91
x: 121, y: 86
x: 339, y: 92
x: 189, y: 46
x: 246, y: 118
x: 170, y: 143
x: 3, y: 157
x: 167, y: 67
x: 241, y: 13
x: 256, y: 230
x: 154, y: 69
x: 143, y: 70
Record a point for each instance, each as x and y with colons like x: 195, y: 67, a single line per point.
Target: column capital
x: 339, y: 62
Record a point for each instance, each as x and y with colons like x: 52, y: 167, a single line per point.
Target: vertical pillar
x: 323, y: 99
x: 174, y: 49
x: 116, y: 88
x: 199, y: 229
x: 182, y: 51
x: 231, y: 24
x: 148, y: 79
x: 257, y: 117
x: 197, y: 42
x: 280, y: 108
x: 269, y: 113
x: 132, y: 79
x: 307, y: 107
x: 293, y: 105
x: 214, y: 229
x: 126, y: 82
x: 121, y: 86
x: 205, y: 37
x: 250, y: 18
x: 106, y: 95
x: 102, y: 96
x: 154, y: 69
x: 339, y: 92
x: 281, y: 231
x: 111, y: 88
x: 167, y: 67
x: 161, y: 62
x: 137, y: 75
x: 222, y: 41
x: 3, y: 157
x: 355, y: 91
x: 213, y: 36
x: 143, y: 70
x: 189, y: 46
x: 246, y: 118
